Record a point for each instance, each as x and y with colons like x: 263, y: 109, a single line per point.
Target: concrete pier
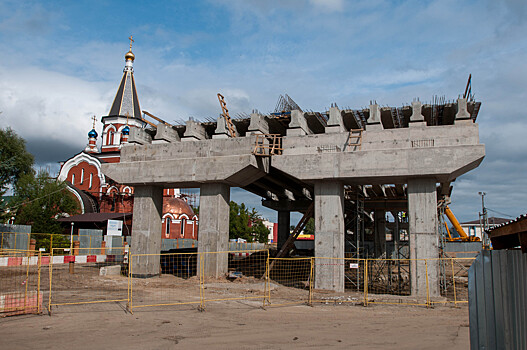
x: 213, y: 229
x: 380, y: 233
x: 329, y: 235
x: 284, y: 226
x: 148, y: 205
x: 422, y: 216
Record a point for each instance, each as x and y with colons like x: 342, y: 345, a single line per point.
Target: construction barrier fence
x: 46, y: 242
x: 20, y: 281
x: 31, y: 281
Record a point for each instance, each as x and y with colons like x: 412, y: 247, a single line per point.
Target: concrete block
x: 194, y: 131
x: 166, y: 133
x: 298, y: 125
x: 417, y: 118
x: 222, y: 131
x: 375, y: 115
x: 139, y: 136
x: 335, y: 122
x: 462, y: 111
x: 258, y: 125
x: 114, y: 270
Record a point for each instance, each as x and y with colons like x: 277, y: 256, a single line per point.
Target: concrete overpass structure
x: 400, y: 158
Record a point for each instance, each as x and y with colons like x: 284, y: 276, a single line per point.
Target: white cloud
x: 328, y: 5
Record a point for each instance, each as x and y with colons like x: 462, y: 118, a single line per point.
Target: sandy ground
x: 335, y: 321
x: 240, y: 325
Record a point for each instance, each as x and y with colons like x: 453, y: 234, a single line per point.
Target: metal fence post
x: 38, y: 281
x: 311, y: 278
x: 201, y: 283
x: 427, y: 286
x: 365, y: 282
x: 453, y: 281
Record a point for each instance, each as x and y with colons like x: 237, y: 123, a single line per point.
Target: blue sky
x: 61, y: 61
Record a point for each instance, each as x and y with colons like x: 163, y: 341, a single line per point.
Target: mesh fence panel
x: 75, y: 277
x: 246, y: 278
x: 290, y: 280
x: 20, y: 291
x: 178, y: 283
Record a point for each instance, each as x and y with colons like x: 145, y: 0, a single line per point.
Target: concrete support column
x: 146, y: 225
x: 284, y: 225
x: 380, y: 232
x: 329, y: 235
x: 396, y: 238
x: 422, y: 215
x: 213, y: 231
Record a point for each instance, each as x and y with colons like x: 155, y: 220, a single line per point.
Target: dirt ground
x: 335, y: 321
x: 240, y: 325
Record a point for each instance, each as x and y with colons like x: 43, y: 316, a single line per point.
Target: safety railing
x: 267, y: 145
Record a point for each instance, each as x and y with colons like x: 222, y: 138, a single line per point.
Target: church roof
x: 126, y: 103
x: 177, y: 206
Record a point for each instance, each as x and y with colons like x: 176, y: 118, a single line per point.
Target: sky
x: 61, y: 63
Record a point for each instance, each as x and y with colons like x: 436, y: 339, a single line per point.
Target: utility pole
x: 483, y: 220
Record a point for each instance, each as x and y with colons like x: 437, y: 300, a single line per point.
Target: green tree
x: 41, y: 200
x: 15, y: 161
x: 310, y: 227
x: 246, y: 224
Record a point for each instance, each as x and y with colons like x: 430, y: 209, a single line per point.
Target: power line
x: 497, y: 212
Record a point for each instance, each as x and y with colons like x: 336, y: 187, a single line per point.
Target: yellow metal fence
x: 31, y: 281
x: 46, y: 242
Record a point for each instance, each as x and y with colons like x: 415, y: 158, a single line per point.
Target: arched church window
x: 183, y: 223
x: 167, y: 227
x: 109, y: 137
x: 73, y: 179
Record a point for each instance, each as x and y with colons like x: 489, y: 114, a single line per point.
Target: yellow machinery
x: 462, y: 234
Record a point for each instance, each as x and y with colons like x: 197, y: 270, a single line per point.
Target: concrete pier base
x: 146, y: 238
x: 214, y: 228
x: 329, y: 235
x: 422, y: 215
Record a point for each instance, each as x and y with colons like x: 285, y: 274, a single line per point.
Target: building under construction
x: 348, y: 168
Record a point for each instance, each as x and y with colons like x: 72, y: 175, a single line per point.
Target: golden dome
x: 129, y: 56
x: 177, y: 206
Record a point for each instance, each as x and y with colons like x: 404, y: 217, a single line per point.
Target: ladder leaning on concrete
x: 355, y: 134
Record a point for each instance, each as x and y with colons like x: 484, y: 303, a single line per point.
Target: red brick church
x: 96, y: 192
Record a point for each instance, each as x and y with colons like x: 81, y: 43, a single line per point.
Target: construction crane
x: 225, y: 114
x: 462, y: 234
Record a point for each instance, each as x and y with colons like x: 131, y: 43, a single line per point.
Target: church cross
x: 131, y: 41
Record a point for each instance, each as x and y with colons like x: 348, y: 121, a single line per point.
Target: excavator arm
x: 457, y: 226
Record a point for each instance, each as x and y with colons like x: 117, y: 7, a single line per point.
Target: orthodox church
x: 96, y: 192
